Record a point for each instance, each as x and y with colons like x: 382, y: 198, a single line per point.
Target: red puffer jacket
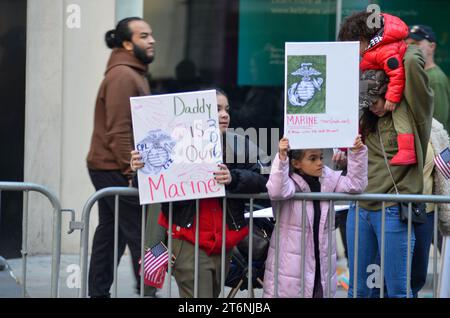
x: 386, y: 53
x: 210, y: 228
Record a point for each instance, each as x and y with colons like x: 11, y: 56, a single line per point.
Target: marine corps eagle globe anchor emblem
x: 302, y: 92
x: 156, y: 150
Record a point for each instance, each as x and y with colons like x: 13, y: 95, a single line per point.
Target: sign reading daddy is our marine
x: 321, y: 94
x: 178, y: 138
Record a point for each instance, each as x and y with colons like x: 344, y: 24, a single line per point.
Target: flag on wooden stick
x: 156, y: 260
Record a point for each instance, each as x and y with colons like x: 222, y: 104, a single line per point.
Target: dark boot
x: 406, y: 154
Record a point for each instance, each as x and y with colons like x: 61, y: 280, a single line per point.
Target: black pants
x: 101, y: 268
x: 341, y: 224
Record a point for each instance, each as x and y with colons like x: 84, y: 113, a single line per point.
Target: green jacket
x: 418, y: 98
x: 441, y: 87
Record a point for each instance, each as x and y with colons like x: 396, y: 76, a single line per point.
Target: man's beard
x: 141, y: 55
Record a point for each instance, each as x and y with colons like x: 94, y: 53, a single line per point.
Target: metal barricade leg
x: 116, y: 243
x: 56, y: 230
x: 196, y: 253
x: 303, y: 249
x: 408, y: 256
x: 383, y: 245
x: 84, y: 227
x: 141, y: 287
x: 250, y: 254
x: 223, y: 258
x: 355, y: 253
x: 331, y: 216
x: 435, y: 251
x: 24, y: 243
x: 170, y: 250
x: 277, y: 248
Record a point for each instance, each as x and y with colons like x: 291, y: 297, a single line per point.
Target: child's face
x: 223, y: 109
x: 378, y: 107
x: 311, y: 163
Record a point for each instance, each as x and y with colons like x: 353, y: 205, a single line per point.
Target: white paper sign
x: 268, y: 212
x: 178, y: 137
x: 322, y: 94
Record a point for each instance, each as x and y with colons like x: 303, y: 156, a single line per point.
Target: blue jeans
x: 424, y: 236
x: 369, y: 246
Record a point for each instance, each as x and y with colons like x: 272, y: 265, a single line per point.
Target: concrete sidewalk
x: 9, y: 287
x: 39, y: 277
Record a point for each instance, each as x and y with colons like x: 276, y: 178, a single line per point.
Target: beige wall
x: 85, y: 58
x: 65, y: 65
x: 64, y: 69
x: 43, y: 118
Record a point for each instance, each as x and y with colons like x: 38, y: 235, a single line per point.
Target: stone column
x: 44, y: 113
x: 66, y: 59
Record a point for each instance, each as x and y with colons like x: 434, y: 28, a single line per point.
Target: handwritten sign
x: 178, y: 137
x: 321, y: 95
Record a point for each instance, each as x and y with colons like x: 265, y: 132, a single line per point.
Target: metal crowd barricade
x: 84, y: 237
x: 56, y: 247
x: 331, y: 197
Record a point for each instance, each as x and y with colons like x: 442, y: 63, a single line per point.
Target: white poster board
x: 321, y: 94
x: 268, y: 212
x: 178, y: 137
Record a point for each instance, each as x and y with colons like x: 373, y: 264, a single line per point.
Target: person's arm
x: 418, y: 93
x: 247, y: 180
x: 118, y: 119
x: 392, y: 64
x: 356, y: 179
x: 280, y: 186
x: 339, y: 160
x: 136, y: 162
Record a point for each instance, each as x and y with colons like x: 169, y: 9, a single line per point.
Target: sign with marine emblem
x: 178, y: 137
x: 322, y: 91
x: 306, y: 93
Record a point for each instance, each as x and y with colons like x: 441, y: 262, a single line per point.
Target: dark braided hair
x: 115, y: 38
x: 297, y: 154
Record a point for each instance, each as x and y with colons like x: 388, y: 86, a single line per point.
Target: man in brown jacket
x: 108, y: 161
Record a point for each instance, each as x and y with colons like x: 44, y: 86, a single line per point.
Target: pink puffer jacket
x: 281, y: 186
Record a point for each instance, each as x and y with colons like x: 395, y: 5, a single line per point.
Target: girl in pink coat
x: 308, y: 175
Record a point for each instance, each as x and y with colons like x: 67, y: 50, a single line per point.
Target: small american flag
x: 442, y: 162
x: 156, y: 260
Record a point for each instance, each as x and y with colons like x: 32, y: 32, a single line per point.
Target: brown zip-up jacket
x: 112, y: 139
